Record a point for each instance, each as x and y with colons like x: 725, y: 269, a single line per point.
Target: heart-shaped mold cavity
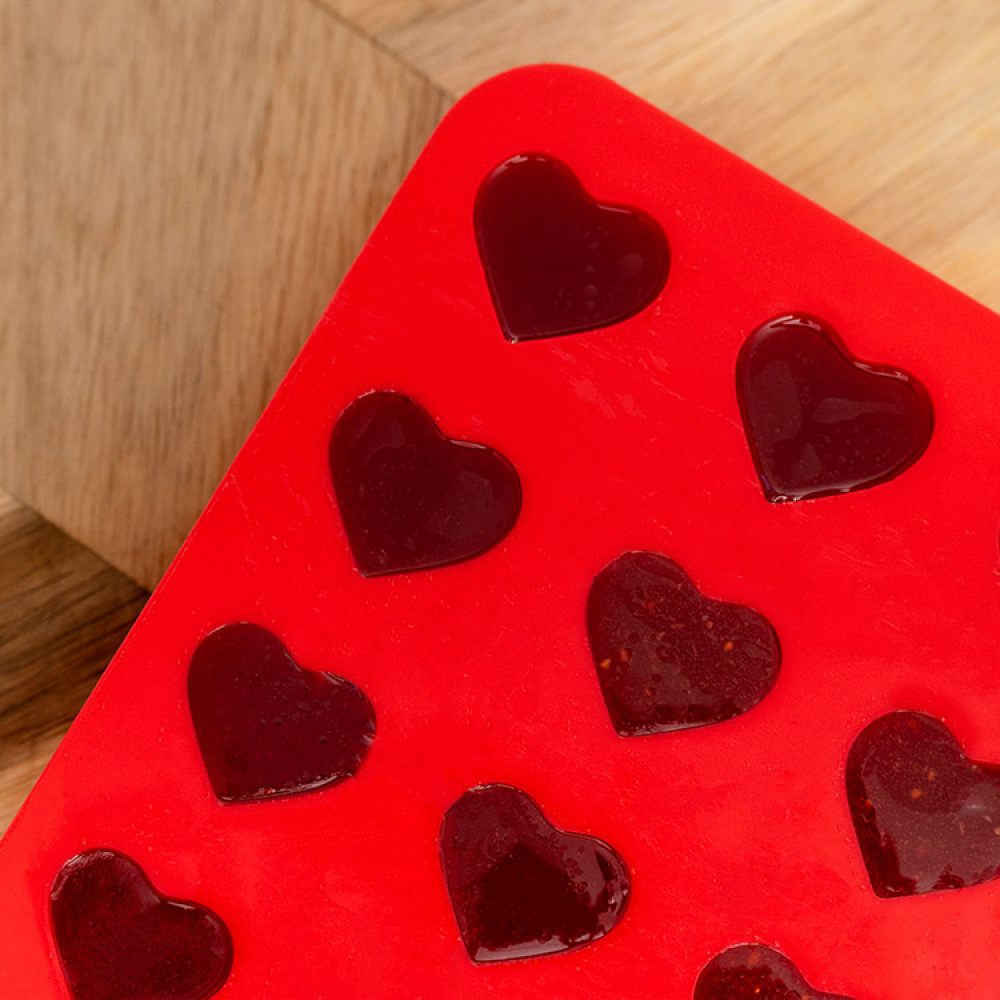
x: 927, y: 817
x: 410, y: 498
x: 667, y: 657
x: 556, y: 260
x: 754, y: 972
x: 119, y: 939
x: 265, y: 726
x: 521, y: 887
x: 818, y: 421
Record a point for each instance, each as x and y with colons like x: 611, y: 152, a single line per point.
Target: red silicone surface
x: 626, y: 437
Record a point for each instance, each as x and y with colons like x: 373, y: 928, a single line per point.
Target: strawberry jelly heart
x: 519, y: 886
x: 753, y: 972
x: 119, y: 939
x: 556, y: 261
x: 669, y: 658
x: 927, y: 817
x: 819, y: 422
x: 265, y: 726
x: 410, y: 498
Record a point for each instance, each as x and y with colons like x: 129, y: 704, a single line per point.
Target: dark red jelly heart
x: 753, y: 972
x: 557, y: 261
x: 411, y: 498
x: 669, y: 658
x: 265, y: 726
x: 818, y: 421
x: 519, y: 886
x: 119, y: 939
x: 927, y: 817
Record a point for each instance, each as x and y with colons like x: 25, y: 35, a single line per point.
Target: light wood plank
x: 63, y: 613
x: 191, y: 180
x: 378, y: 16
x: 888, y: 114
x: 20, y: 767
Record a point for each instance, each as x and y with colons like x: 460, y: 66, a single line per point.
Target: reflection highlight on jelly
x: 818, y: 421
x: 927, y: 817
x: 520, y: 887
x: 410, y: 498
x: 557, y: 261
x: 119, y: 939
x: 265, y: 726
x: 666, y: 656
x: 755, y: 972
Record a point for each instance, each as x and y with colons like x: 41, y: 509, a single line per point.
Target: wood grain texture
x: 63, y: 613
x: 887, y: 114
x: 378, y: 16
x: 189, y: 182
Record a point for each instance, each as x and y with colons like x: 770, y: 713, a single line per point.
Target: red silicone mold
x: 784, y: 555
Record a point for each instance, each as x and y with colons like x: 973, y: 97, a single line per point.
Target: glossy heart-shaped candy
x: 927, y: 817
x: 119, y: 939
x: 521, y: 887
x: 667, y: 657
x: 410, y: 498
x: 556, y: 260
x: 265, y: 726
x: 818, y: 421
x: 754, y: 972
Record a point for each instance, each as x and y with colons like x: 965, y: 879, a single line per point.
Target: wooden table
x: 183, y: 184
